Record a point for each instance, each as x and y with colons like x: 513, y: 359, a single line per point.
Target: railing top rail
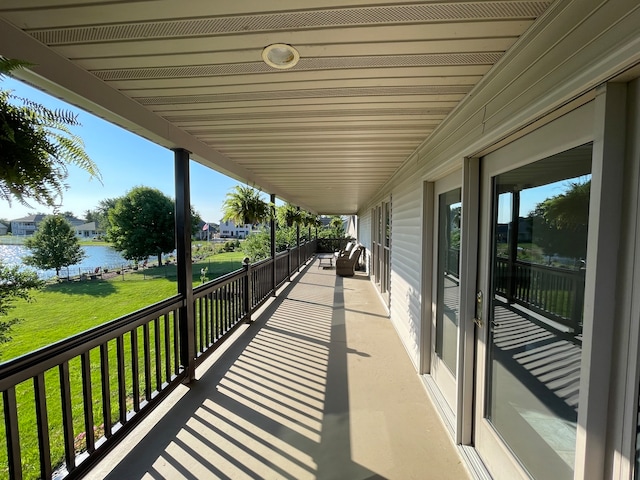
x: 217, y: 282
x: 27, y: 366
x: 261, y: 263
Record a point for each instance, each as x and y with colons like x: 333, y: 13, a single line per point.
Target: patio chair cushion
x: 347, y: 249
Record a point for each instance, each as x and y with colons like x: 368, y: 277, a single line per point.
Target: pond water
x: 97, y: 256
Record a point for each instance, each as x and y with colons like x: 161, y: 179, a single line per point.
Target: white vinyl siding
x: 406, y: 239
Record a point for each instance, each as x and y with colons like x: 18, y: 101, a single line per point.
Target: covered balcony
x: 311, y: 383
x: 382, y: 111
x: 318, y: 386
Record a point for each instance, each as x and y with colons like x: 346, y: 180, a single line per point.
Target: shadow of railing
x: 275, y: 404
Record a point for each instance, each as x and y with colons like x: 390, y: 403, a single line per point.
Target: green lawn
x: 65, y: 309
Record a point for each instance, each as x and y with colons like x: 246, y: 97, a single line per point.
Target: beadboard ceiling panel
x: 374, y: 79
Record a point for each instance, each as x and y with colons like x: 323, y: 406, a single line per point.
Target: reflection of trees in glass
x: 454, y: 233
x: 560, y: 222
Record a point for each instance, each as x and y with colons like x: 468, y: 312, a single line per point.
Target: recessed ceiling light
x: 280, y: 56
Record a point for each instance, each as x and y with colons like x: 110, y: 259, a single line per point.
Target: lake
x: 97, y: 256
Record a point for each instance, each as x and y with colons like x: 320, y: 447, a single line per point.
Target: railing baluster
x: 106, y: 389
x: 176, y: 344
x: 205, y: 315
x: 200, y: 314
x: 67, y: 417
x: 122, y: 384
x: 135, y: 371
x: 87, y: 400
x: 167, y: 348
x: 42, y: 419
x: 554, y: 292
x: 156, y: 337
x: 73, y: 360
x: 211, y: 309
x: 12, y: 433
x: 217, y: 314
x: 237, y: 302
x: 147, y: 361
x: 227, y: 307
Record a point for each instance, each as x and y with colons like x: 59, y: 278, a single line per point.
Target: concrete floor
x: 319, y: 387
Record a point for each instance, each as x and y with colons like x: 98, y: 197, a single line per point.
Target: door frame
x: 627, y: 361
x: 450, y: 182
x: 468, y: 180
x: 380, y: 251
x: 600, y: 122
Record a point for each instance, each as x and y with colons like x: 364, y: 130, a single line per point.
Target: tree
x: 196, y: 221
x: 244, y: 206
x: 36, y: 145
x: 257, y: 246
x: 14, y: 284
x: 142, y: 224
x: 54, y: 245
x: 560, y: 223
x: 288, y: 215
x: 100, y: 214
x: 337, y: 225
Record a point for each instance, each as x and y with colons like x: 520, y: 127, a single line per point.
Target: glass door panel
x: 448, y: 279
x: 446, y: 287
x: 539, y: 242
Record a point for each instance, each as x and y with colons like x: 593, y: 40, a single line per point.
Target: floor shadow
x: 274, y: 405
x: 334, y: 457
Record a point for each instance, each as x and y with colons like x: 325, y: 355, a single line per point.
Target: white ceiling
x: 375, y: 78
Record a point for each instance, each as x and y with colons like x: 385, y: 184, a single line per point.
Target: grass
x: 64, y: 309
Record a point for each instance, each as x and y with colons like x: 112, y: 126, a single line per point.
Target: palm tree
x: 289, y: 215
x: 336, y: 222
x: 337, y: 225
x: 37, y: 145
x: 245, y: 206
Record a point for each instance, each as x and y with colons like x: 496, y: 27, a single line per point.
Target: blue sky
x: 125, y: 161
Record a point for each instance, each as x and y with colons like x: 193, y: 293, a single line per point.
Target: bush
x: 258, y: 245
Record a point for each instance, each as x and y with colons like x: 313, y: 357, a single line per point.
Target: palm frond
x: 8, y: 65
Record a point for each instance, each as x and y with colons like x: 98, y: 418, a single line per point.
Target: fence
x: 555, y: 293
x: 90, y: 390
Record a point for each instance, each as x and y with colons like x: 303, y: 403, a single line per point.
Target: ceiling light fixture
x: 280, y: 56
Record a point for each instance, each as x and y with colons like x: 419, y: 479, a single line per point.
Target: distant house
x: 3, y: 229
x: 206, y: 230
x: 28, y: 225
x: 86, y: 230
x: 228, y: 229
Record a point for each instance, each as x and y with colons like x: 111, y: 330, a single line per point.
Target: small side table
x: 323, y: 258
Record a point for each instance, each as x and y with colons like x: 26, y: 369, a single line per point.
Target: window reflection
x: 448, y: 294
x: 539, y: 249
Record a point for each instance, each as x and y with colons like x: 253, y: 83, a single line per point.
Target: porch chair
x: 346, y: 264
